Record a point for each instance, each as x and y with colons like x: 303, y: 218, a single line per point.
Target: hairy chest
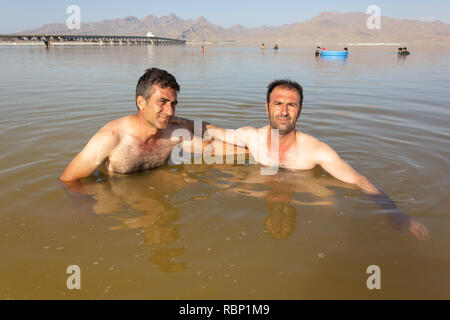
x: 131, y: 156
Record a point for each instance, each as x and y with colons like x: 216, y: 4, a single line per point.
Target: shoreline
x: 200, y: 43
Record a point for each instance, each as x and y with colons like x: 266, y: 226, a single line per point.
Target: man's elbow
x: 65, y: 177
x: 72, y: 174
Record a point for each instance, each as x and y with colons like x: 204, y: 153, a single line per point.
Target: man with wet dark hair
x: 153, y: 76
x: 299, y: 151
x: 136, y: 142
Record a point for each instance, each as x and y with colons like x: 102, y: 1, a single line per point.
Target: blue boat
x: 334, y: 53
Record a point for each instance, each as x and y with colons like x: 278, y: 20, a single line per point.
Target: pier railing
x: 95, y: 39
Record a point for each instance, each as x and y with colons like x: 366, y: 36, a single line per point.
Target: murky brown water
x: 224, y: 231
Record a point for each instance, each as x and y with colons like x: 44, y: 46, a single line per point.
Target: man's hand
x: 400, y: 219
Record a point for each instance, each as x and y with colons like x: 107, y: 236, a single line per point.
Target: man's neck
x: 285, y: 141
x: 144, y: 130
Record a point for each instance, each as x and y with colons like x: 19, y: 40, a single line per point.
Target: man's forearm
x: 384, y: 202
x: 229, y: 136
x: 376, y: 195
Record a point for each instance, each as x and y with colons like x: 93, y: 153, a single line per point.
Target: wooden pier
x: 93, y: 39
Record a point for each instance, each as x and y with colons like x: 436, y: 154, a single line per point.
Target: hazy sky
x: 18, y: 15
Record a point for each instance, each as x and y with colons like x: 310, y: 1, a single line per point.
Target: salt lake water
x: 224, y: 231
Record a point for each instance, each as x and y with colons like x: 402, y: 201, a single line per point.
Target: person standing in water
x: 318, y: 51
x: 299, y: 151
x: 136, y: 142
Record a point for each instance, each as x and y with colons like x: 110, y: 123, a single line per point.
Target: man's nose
x: 169, y: 110
x: 284, y: 109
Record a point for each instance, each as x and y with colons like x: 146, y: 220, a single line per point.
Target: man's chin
x: 163, y: 125
x: 284, y: 130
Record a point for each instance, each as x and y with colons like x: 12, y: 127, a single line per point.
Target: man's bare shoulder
x: 307, y: 140
x: 118, y: 126
x: 310, y: 143
x: 251, y: 130
x: 112, y: 132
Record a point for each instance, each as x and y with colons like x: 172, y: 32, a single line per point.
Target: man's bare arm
x: 330, y: 161
x: 238, y: 137
x: 92, y: 156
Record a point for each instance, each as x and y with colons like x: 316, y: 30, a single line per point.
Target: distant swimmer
x: 203, y: 49
x: 263, y: 46
x: 405, y: 51
x: 400, y: 51
x: 318, y: 50
x: 140, y: 141
x: 280, y: 145
x: 47, y: 43
x: 275, y: 47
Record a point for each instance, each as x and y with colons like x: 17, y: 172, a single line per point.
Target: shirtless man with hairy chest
x: 137, y: 142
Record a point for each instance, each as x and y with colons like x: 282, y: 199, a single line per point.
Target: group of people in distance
x: 403, y: 51
x: 319, y: 51
x: 275, y: 47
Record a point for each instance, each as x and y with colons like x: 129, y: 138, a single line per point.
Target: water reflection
x: 281, y: 193
x: 148, y: 200
x: 332, y: 60
x: 147, y: 196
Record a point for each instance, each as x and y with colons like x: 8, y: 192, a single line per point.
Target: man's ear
x: 267, y: 108
x: 140, y: 102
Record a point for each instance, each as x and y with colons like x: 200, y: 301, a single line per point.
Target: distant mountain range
x: 327, y: 27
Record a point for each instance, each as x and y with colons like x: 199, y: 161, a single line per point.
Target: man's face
x: 283, y: 109
x: 160, y: 107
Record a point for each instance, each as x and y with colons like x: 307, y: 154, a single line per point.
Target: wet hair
x: 288, y: 84
x: 346, y: 49
x: 405, y: 48
x: 400, y: 49
x: 318, y: 48
x: 155, y: 76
